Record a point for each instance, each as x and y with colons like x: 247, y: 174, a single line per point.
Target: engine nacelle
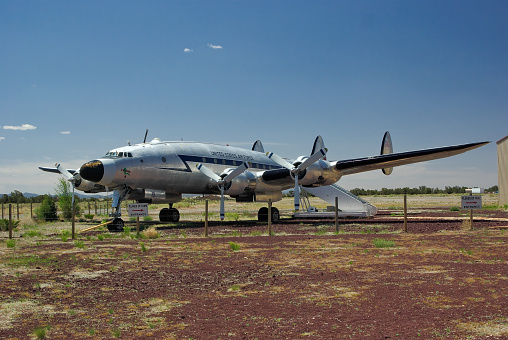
x: 319, y: 174
x: 243, y: 183
x: 153, y: 196
x: 88, y: 186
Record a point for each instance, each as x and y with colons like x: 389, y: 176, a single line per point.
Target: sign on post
x: 471, y: 202
x: 138, y: 209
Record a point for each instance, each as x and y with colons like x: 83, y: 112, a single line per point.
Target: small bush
x: 454, y: 209
x: 47, y: 210
x: 79, y: 244
x: 65, y: 235
x: 11, y: 243
x: 234, y: 246
x: 143, y: 247
x: 4, y: 224
x: 89, y: 216
x: 151, y: 233
x: 40, y: 332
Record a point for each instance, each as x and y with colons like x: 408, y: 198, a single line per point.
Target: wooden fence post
x: 206, y: 218
x: 405, y: 213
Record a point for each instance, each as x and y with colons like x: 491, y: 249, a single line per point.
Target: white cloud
x: 188, y: 50
x: 215, y: 47
x: 23, y: 127
x: 2, y: 138
x: 65, y: 132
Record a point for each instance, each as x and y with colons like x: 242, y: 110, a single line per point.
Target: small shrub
x: 4, y: 224
x: 47, y: 210
x: 454, y: 209
x: 11, y: 243
x: 65, y: 235
x: 89, y: 216
x: 40, y: 332
x: 147, y: 218
x: 143, y: 248
x: 234, y: 246
x: 383, y: 243
x: 151, y: 233
x: 79, y: 244
x: 100, y: 237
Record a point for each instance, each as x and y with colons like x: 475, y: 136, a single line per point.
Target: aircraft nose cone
x: 92, y: 171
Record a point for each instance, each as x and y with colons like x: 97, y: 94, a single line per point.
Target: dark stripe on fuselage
x: 220, y: 161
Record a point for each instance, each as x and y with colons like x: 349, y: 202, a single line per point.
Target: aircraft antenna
x: 146, y: 134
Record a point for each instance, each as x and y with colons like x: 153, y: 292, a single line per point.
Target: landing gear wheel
x: 169, y: 215
x: 263, y: 214
x: 116, y: 225
x: 275, y: 214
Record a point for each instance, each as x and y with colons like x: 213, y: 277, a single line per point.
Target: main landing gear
x: 263, y: 214
x: 169, y: 214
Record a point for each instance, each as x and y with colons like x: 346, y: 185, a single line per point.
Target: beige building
x: 502, y: 170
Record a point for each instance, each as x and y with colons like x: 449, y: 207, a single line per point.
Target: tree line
x: 17, y: 196
x: 421, y: 190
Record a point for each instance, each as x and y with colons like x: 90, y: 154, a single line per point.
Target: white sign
x: 138, y: 209
x: 471, y: 202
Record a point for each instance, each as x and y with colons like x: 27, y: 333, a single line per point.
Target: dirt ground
x: 370, y: 280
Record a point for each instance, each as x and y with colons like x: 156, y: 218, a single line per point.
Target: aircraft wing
x: 55, y: 170
x: 353, y: 166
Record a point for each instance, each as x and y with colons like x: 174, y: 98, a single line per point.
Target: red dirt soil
x: 439, y: 280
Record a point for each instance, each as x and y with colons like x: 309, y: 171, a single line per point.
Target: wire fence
x: 32, y: 210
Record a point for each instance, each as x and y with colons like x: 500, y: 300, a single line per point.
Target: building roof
x: 502, y: 140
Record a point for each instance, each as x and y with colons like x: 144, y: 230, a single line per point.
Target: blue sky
x: 78, y: 78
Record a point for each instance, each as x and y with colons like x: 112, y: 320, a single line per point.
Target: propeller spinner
x: 298, y: 169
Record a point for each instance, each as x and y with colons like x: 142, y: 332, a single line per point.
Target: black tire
x: 275, y: 214
x: 116, y: 226
x: 174, y: 215
x: 164, y: 215
x: 263, y: 214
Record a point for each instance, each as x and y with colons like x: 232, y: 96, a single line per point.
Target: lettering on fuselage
x: 231, y: 155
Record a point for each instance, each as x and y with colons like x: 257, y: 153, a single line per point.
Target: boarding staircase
x: 349, y: 205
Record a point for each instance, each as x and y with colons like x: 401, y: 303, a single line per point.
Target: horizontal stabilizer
x: 353, y: 166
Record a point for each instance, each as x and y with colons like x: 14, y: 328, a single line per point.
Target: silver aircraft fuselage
x: 171, y: 167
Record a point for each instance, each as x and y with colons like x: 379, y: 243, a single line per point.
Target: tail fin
x: 386, y: 149
x: 258, y: 146
x: 318, y: 145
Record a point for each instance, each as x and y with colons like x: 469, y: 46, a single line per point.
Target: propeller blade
x: 312, y: 159
x: 65, y: 173
x: 297, y: 194
x: 279, y: 160
x: 222, y: 203
x: 239, y: 170
x: 208, y: 172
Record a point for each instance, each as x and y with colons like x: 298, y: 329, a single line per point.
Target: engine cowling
x: 319, y: 174
x: 88, y: 186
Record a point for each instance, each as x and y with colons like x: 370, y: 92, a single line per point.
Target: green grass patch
x: 234, y: 246
x: 383, y: 243
x: 30, y: 260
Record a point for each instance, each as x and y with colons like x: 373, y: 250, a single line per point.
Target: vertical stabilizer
x: 258, y: 146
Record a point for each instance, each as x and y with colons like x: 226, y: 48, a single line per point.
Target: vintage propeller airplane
x: 160, y: 172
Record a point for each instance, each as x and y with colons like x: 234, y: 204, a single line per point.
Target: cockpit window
x: 115, y: 154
